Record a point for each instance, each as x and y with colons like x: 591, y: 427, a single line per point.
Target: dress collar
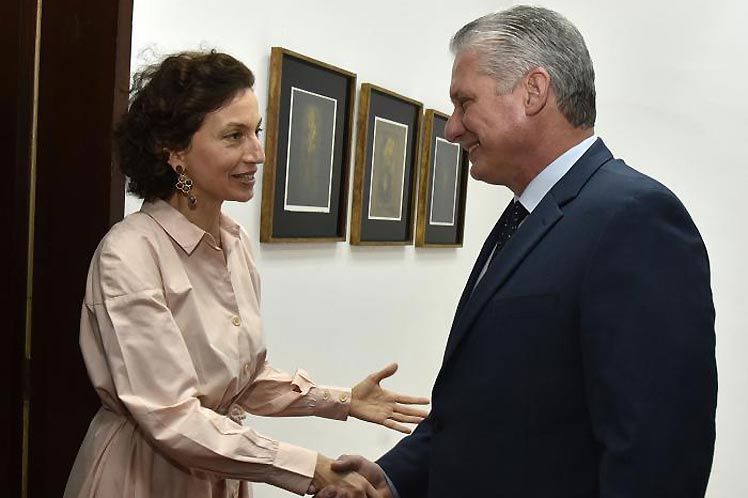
x: 183, y: 231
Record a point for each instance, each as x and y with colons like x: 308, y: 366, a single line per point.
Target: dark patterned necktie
x: 508, y: 223
x: 510, y: 220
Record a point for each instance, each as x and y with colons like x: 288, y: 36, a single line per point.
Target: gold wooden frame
x: 267, y: 216
x: 424, y: 174
x: 359, y: 180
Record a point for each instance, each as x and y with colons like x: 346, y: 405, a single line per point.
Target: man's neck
x: 548, y: 147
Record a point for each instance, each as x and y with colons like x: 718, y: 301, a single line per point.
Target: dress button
x: 344, y: 397
x: 325, y: 395
x: 247, y: 368
x: 236, y: 413
x: 236, y: 321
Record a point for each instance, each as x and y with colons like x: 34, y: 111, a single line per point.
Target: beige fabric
x: 172, y: 339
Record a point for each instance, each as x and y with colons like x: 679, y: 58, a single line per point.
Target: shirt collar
x: 551, y: 174
x: 183, y: 231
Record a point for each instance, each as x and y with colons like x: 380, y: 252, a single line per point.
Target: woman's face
x: 224, y: 152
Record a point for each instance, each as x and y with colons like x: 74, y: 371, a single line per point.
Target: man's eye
x: 234, y: 136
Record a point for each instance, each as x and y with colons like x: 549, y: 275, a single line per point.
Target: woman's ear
x: 174, y: 158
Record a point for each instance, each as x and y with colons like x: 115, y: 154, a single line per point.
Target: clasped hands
x: 354, y: 476
x: 350, y: 476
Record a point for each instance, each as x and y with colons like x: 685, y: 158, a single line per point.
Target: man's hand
x: 355, y: 463
x: 371, y: 403
x: 343, y: 484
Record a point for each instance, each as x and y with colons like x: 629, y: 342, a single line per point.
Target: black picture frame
x: 442, y: 192
x: 384, y: 186
x: 307, y: 150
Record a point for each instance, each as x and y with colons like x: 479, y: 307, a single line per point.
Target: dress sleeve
x: 276, y: 393
x: 155, y: 380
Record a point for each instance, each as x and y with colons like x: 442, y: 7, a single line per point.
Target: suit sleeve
x: 407, y: 464
x: 647, y: 334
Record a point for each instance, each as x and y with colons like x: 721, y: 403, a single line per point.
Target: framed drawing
x: 442, y: 189
x: 388, y: 134
x: 307, y: 146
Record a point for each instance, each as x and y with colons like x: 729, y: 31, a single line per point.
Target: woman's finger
x: 407, y: 410
x: 411, y: 400
x: 408, y: 419
x: 395, y: 426
x: 382, y: 374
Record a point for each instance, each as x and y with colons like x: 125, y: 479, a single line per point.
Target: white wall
x: 670, y: 80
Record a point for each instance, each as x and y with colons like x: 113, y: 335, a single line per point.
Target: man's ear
x: 538, y: 88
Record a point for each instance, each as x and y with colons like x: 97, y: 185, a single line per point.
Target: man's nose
x: 453, y: 129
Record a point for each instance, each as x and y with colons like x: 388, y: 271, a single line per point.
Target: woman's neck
x: 205, y: 215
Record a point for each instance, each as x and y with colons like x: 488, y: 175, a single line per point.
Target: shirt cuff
x: 331, y: 402
x: 293, y: 468
x: 391, y: 485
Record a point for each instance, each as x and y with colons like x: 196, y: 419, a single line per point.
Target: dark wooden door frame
x: 17, y: 33
x: 83, y: 75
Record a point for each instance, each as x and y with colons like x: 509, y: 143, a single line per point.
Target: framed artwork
x: 307, y: 146
x: 442, y: 192
x: 384, y: 185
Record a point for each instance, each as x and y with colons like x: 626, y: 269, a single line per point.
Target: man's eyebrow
x: 457, y: 96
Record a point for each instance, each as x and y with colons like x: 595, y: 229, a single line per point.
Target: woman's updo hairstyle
x: 168, y: 103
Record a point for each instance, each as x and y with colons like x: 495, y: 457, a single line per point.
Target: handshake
x: 350, y: 476
x: 354, y: 476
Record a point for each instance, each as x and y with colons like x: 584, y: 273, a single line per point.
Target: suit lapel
x: 485, y: 252
x: 532, y: 231
x: 502, y: 266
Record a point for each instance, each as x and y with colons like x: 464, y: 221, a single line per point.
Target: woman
x: 170, y: 326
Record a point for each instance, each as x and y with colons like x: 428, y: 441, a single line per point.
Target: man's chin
x: 476, y: 173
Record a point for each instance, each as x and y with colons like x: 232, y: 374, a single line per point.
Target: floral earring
x: 184, y: 185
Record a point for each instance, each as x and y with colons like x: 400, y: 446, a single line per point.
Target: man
x: 581, y: 357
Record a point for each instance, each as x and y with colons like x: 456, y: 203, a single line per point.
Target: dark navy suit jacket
x: 583, y: 364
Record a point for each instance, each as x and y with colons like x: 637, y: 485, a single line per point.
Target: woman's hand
x: 371, y: 403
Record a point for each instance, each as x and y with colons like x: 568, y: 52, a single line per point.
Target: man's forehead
x: 464, y: 67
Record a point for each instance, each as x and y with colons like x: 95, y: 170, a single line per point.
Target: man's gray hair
x: 512, y: 42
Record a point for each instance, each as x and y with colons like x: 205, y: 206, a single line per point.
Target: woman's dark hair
x: 168, y: 103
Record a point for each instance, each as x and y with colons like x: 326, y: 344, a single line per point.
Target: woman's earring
x: 184, y: 185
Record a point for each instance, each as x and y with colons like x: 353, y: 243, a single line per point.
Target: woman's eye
x: 234, y: 136
x: 258, y: 130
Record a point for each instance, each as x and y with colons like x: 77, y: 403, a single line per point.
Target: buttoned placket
x: 228, y: 292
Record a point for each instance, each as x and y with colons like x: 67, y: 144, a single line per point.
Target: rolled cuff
x: 293, y: 468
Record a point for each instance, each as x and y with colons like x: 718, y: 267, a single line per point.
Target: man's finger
x: 371, y: 492
x: 346, y: 463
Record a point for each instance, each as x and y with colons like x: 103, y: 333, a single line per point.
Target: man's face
x: 491, y: 127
